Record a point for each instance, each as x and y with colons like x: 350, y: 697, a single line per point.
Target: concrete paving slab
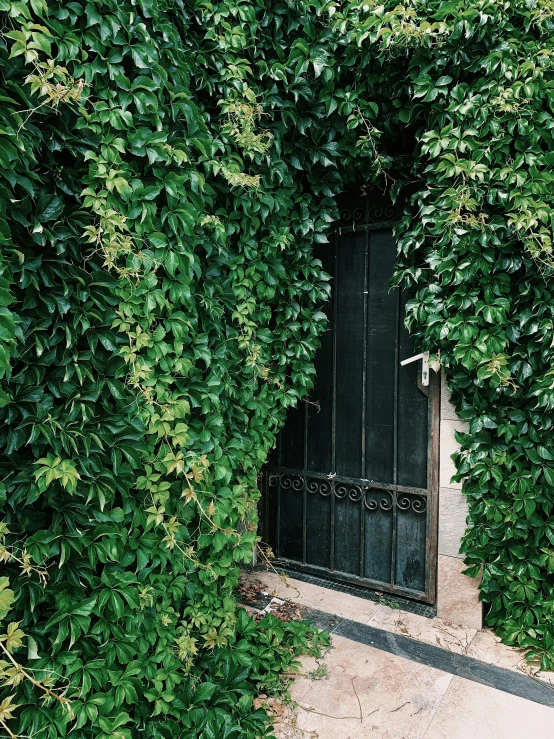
x: 314, y: 726
x: 372, y: 693
x: 315, y: 670
x: 472, y: 711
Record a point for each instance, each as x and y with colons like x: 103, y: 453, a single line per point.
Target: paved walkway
x: 357, y: 690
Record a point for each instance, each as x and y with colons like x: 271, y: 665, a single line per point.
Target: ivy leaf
x: 49, y: 207
x: 319, y: 64
x: 6, y: 597
x: 13, y: 638
x: 204, y: 692
x: 548, y: 473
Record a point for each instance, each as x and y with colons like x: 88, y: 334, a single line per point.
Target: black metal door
x: 351, y: 490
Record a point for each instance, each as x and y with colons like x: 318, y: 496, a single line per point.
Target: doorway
x: 351, y: 490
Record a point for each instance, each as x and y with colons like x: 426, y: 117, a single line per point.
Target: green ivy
x: 167, y: 169
x: 155, y: 298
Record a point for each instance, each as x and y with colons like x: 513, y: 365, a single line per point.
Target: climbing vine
x: 167, y: 170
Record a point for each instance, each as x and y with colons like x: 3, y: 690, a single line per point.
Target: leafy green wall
x: 166, y: 170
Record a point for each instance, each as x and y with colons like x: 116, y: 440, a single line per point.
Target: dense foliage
x: 166, y: 170
x: 164, y: 321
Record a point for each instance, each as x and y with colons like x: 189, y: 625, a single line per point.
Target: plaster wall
x: 457, y: 594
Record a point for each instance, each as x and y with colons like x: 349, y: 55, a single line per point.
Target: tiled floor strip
x: 441, y: 659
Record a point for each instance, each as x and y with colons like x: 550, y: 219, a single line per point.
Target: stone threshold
x: 404, y: 604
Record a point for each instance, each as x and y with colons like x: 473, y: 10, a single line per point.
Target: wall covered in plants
x: 167, y: 168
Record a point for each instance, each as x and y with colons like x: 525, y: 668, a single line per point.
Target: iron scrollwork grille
x: 297, y: 481
x: 382, y: 510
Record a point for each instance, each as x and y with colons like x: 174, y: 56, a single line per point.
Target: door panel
x: 349, y: 290
x: 382, y: 359
x: 320, y: 416
x: 351, y: 492
x: 413, y: 421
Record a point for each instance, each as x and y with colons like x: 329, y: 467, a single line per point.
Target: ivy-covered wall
x: 166, y: 168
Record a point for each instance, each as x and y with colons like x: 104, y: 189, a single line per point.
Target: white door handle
x: 424, y: 366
